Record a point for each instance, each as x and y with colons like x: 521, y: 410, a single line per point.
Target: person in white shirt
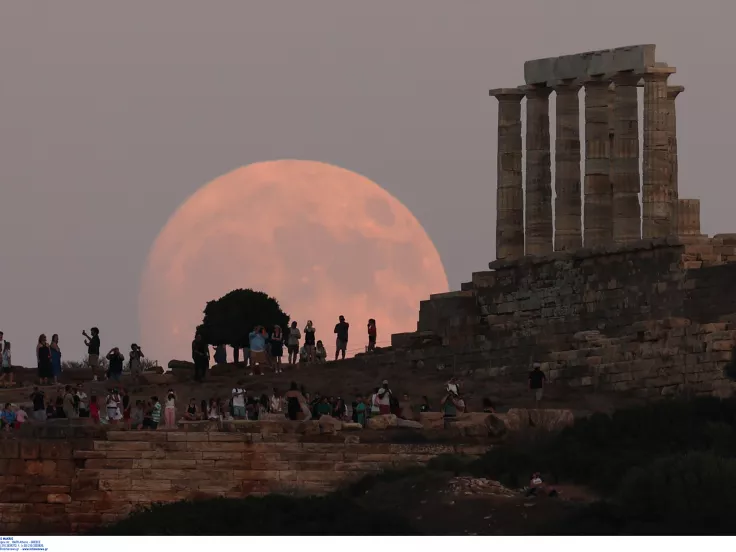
x: 384, y: 398
x: 238, y: 394
x: 292, y: 343
x: 83, y: 402
x: 276, y: 403
x: 170, y: 410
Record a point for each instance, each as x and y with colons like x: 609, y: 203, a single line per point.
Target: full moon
x: 322, y: 240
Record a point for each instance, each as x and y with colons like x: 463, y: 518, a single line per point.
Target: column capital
x: 569, y: 86
x: 536, y: 91
x: 674, y: 91
x: 626, y: 78
x: 657, y: 73
x: 507, y: 94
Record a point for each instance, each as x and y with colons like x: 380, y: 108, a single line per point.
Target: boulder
x: 382, y: 421
x: 308, y: 427
x: 181, y: 365
x: 351, y: 426
x: 408, y: 424
x: 478, y: 424
x: 516, y: 419
x: 328, y: 424
x: 551, y: 419
x: 432, y: 420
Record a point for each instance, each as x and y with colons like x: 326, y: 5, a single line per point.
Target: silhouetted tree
x: 230, y: 319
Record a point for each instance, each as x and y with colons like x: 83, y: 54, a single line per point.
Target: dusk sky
x: 114, y: 112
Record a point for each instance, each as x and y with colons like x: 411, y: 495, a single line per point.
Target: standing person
x: 170, y: 410
x: 116, y: 359
x: 238, y: 398
x: 68, y: 403
x: 384, y: 396
x: 43, y: 356
x: 341, y: 329
x: 292, y: 343
x: 39, y: 405
x: 201, y: 357
x: 7, y: 365
x: 93, y: 350
x: 536, y: 382
x: 371, y: 335
x: 136, y: 362
x: 294, y: 402
x: 277, y: 347
x: 258, y: 352
x: 55, y: 358
x: 83, y: 402
x: 309, y: 342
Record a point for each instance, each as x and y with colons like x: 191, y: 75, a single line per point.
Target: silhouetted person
x: 200, y: 357
x: 116, y: 360
x: 341, y: 329
x: 536, y: 382
x: 371, y: 335
x: 93, y: 350
x: 43, y: 356
x: 292, y: 343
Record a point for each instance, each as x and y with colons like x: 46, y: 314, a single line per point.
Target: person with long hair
x: 277, y: 348
x: 309, y: 341
x: 43, y: 358
x: 55, y: 357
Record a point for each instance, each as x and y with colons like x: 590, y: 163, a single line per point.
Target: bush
x: 599, y: 450
x: 269, y: 515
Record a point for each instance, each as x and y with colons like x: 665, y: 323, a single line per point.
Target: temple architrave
x: 609, y: 210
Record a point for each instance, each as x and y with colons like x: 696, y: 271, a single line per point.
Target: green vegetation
x: 230, y: 319
x: 269, y: 515
x: 665, y: 468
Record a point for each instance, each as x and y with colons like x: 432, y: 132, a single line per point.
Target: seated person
x: 320, y: 353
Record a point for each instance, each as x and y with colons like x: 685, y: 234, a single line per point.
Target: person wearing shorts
x: 93, y: 350
x: 292, y: 343
x: 341, y: 344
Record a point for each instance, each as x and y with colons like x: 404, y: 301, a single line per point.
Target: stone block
x: 58, y: 498
x: 122, y: 445
x: 432, y: 420
x: 149, y: 436
x: 382, y: 421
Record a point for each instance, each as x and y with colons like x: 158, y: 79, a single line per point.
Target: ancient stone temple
x: 608, y: 211
x: 614, y: 289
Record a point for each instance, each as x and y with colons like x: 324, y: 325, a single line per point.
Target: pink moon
x: 322, y: 240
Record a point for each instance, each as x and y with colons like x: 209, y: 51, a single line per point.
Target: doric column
x: 625, y: 159
x: 568, y: 210
x: 672, y: 93
x: 509, y: 184
x: 538, y: 172
x: 688, y: 218
x: 597, y: 191
x: 657, y: 196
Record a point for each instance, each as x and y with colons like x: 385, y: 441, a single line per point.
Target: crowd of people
x: 266, y: 349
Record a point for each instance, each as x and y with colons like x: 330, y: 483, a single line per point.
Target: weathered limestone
x: 568, y: 208
x: 672, y: 93
x: 657, y: 193
x: 598, y: 227
x: 538, y: 172
x: 587, y: 64
x: 688, y: 217
x: 509, y: 187
x: 625, y: 160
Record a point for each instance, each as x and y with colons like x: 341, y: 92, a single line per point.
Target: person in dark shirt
x: 201, y: 357
x: 341, y: 329
x: 93, y: 350
x: 536, y: 382
x: 116, y: 359
x: 39, y: 405
x: 371, y: 335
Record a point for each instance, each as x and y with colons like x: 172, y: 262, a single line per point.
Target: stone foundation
x: 68, y: 479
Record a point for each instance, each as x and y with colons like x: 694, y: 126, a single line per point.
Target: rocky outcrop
x: 432, y: 420
x: 383, y: 421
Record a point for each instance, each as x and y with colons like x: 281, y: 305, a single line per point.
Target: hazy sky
x: 112, y: 113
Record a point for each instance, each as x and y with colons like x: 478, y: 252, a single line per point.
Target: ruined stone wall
x: 66, y: 479
x: 653, y: 317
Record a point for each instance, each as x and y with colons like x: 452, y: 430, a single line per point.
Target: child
x: 20, y: 417
x: 136, y: 415
x: 170, y: 412
x: 7, y: 418
x: 94, y: 409
x: 359, y: 411
x: 155, y: 413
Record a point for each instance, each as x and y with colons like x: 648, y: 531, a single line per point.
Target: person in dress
x: 94, y: 409
x: 43, y: 358
x: 170, y: 410
x: 277, y: 348
x: 6, y: 378
x: 309, y: 341
x: 55, y: 358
